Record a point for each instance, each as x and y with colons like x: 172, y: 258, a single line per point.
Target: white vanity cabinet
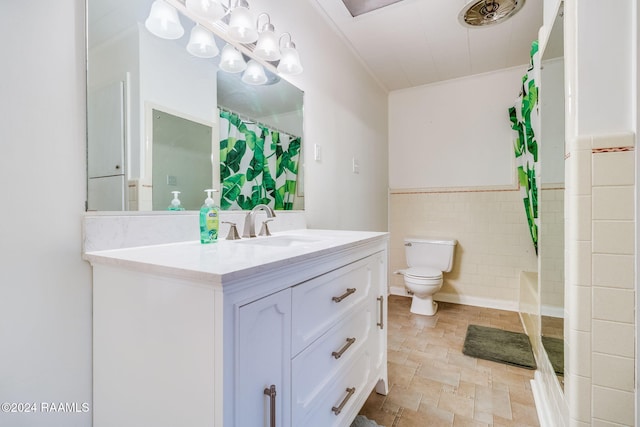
x: 294, y: 338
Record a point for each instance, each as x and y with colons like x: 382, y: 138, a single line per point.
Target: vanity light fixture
x: 210, y: 10
x: 289, y: 60
x: 267, y: 45
x: 243, y: 34
x: 202, y: 43
x: 163, y: 21
x: 241, y: 23
x: 231, y: 60
x: 254, y: 75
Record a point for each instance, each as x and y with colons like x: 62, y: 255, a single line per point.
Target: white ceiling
x: 416, y: 42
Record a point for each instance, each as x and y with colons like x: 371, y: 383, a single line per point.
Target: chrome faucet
x: 249, y: 220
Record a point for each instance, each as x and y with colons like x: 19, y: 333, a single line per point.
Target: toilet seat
x: 422, y: 273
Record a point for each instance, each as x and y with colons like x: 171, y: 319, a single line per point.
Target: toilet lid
x: 423, y: 272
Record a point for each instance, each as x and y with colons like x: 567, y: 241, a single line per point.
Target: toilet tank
x: 430, y: 252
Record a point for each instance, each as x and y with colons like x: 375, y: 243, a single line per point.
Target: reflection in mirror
x: 182, y: 160
x: 260, y: 143
x: 131, y: 72
x: 551, y: 203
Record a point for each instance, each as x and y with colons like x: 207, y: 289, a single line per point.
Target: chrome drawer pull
x: 381, y: 323
x: 338, y: 409
x: 343, y: 296
x: 271, y: 392
x: 338, y: 354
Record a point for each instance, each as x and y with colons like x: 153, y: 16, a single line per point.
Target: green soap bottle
x: 209, y: 219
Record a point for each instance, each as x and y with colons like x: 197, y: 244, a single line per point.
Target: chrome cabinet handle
x: 338, y: 354
x: 271, y: 392
x: 381, y: 322
x: 343, y: 296
x: 337, y: 409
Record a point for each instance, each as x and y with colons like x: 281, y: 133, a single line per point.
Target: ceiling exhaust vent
x: 480, y: 13
x: 360, y: 7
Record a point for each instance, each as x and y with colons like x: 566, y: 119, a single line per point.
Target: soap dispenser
x: 175, y: 203
x: 209, y: 219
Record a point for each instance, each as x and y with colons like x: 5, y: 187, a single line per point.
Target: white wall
x: 455, y: 133
x: 345, y: 112
x: 45, y: 292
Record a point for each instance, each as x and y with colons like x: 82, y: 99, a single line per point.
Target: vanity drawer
x: 319, y: 303
x: 336, y: 400
x: 315, y: 368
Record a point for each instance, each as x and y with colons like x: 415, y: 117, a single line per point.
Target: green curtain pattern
x: 524, y: 116
x: 258, y: 165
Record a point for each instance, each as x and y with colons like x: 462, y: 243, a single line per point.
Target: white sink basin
x: 283, y: 241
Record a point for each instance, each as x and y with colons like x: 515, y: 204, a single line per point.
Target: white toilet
x: 426, y: 259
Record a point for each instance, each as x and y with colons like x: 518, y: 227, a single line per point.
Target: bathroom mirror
x: 134, y: 77
x: 551, y: 198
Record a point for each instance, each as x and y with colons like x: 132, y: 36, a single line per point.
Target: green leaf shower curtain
x: 524, y: 118
x: 257, y: 164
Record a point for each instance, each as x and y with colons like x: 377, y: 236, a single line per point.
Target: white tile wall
x: 600, y: 369
x: 613, y: 371
x: 613, y: 405
x: 551, y: 250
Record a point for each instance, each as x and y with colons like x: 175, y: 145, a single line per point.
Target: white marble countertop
x: 227, y: 259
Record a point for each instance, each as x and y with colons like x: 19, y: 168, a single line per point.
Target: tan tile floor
x: 431, y: 383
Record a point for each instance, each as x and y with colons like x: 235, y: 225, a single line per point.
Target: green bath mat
x: 512, y: 348
x: 555, y: 352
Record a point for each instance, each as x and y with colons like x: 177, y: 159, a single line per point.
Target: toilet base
x: 424, y: 306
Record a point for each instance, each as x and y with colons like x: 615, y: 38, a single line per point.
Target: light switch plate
x: 356, y: 166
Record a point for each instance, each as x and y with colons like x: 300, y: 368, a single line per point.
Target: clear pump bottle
x: 175, y: 203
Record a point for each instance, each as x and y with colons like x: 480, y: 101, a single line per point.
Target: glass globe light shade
x: 254, y: 75
x: 163, y: 21
x: 231, y: 60
x: 201, y: 43
x: 267, y: 46
x: 210, y: 10
x: 289, y: 60
x: 242, y: 25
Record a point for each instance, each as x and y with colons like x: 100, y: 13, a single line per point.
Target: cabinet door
x: 263, y: 361
x: 106, y: 131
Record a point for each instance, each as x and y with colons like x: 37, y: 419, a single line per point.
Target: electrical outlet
x: 317, y: 152
x: 172, y: 180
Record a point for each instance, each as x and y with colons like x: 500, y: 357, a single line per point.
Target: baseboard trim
x: 551, y: 311
x: 465, y: 300
x: 543, y: 408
